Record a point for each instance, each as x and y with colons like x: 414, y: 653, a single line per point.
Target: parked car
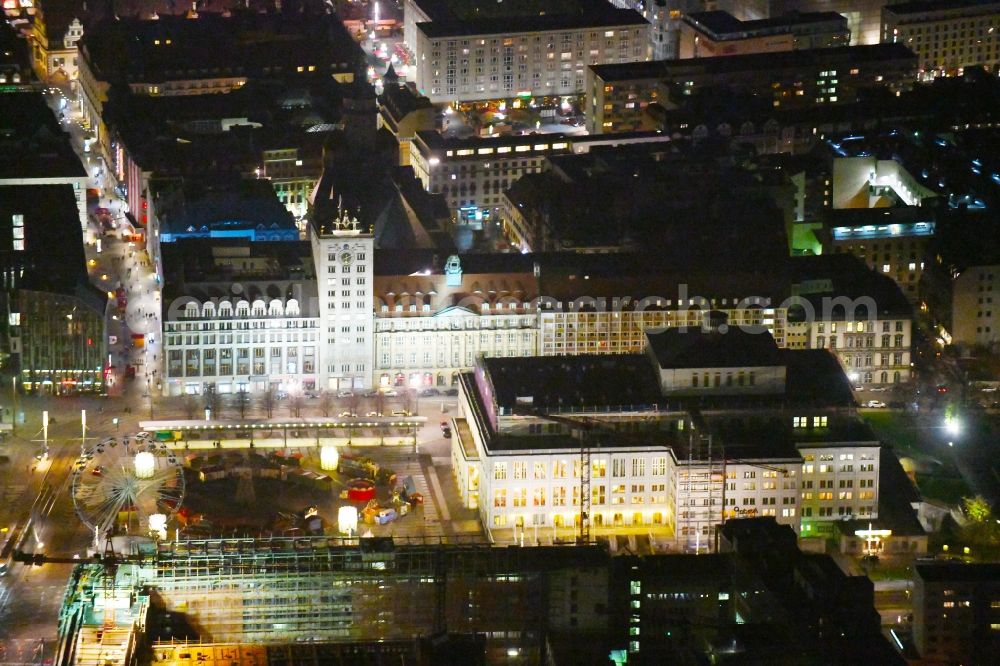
x: 345, y: 394
x: 451, y: 392
x: 447, y: 433
x: 429, y: 393
x: 391, y: 393
x: 373, y: 414
x: 875, y: 404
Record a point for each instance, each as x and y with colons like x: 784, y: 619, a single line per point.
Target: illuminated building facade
x: 461, y: 57
x: 657, y: 466
x: 241, y: 317
x: 946, y: 37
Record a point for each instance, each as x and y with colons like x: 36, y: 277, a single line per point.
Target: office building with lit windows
x: 431, y: 325
x: 891, y: 241
x: 536, y: 48
x: 946, y: 36
x: 859, y: 315
x: 240, y: 316
x: 666, y: 444
x: 473, y: 173
x: 618, y: 94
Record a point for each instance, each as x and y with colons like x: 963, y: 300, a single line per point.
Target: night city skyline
x: 530, y: 332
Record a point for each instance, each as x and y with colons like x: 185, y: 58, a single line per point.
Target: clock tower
x: 343, y: 253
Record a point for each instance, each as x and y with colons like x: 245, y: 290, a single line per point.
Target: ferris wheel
x: 121, y: 483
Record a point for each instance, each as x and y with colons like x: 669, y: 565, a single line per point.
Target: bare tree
x: 407, y: 400
x: 353, y: 403
x: 379, y: 403
x: 190, y: 407
x: 295, y: 403
x: 267, y: 400
x: 325, y: 403
x: 212, y: 402
x: 242, y: 401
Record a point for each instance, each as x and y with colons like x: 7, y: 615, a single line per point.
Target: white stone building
x: 464, y: 59
x: 430, y: 327
x: 239, y: 316
x: 344, y: 254
x: 534, y: 434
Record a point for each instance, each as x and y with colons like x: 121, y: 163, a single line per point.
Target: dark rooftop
x: 53, y: 258
x: 588, y: 379
x: 860, y: 217
x: 32, y: 143
x: 815, y: 377
x: 821, y: 279
x: 724, y: 25
x: 223, y: 207
x: 229, y: 269
x: 751, y: 62
x: 938, y: 572
x: 468, y: 17
x: 192, y: 134
x: 241, y: 43
x: 921, y: 7
x: 696, y: 348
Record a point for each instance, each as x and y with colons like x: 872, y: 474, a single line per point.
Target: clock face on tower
x: 346, y: 258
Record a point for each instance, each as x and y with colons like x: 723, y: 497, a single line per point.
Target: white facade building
x: 532, y: 435
x: 429, y: 328
x: 344, y: 254
x: 502, y: 58
x: 239, y: 316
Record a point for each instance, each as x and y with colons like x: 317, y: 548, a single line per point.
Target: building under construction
x: 329, y: 600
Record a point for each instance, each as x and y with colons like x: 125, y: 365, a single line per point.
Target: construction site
x: 328, y: 600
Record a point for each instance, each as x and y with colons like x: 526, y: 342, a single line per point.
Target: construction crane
x: 589, y: 429
x: 586, y: 426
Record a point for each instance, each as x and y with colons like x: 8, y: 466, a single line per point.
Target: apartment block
x: 463, y: 55
x: 891, y: 241
x: 975, y: 307
x: 618, y: 94
x: 946, y: 37
x: 956, y: 612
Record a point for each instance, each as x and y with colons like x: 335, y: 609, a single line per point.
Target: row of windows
x: 560, y: 469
